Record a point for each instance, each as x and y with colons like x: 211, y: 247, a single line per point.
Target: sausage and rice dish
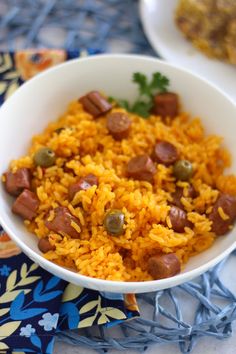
x: 114, y: 196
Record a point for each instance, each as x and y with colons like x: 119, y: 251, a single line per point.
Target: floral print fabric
x: 15, y: 68
x: 34, y: 304
x: 29, y: 303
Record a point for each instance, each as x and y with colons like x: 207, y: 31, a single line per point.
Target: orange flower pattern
x: 31, y: 62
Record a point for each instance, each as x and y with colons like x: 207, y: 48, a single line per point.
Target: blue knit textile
x: 168, y: 323
x: 71, y: 24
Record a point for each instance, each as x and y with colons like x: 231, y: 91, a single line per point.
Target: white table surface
x: 205, y: 345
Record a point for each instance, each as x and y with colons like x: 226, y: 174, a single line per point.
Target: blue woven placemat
x: 114, y: 26
x: 107, y: 25
x: 211, y: 309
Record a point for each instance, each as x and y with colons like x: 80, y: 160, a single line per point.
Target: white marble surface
x: 204, y: 346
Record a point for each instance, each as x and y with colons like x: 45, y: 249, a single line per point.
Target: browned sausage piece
x: 192, y: 193
x: 95, y: 104
x: 83, y: 184
x: 62, y: 222
x: 18, y: 181
x: 166, y: 104
x: 163, y: 266
x: 118, y: 125
x: 45, y: 246
x: 142, y: 168
x: 178, y: 219
x: 26, y: 205
x: 165, y: 153
x: 176, y: 196
x: 179, y: 193
x: 228, y: 205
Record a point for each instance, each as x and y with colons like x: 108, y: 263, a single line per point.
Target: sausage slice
x: 18, y: 181
x: 179, y: 193
x: 95, y: 104
x: 83, y: 184
x: 141, y: 167
x: 118, y: 125
x: 166, y: 105
x: 62, y: 222
x: 45, y: 246
x: 165, y: 153
x: 178, y: 219
x: 26, y: 205
x: 228, y: 204
x: 163, y: 265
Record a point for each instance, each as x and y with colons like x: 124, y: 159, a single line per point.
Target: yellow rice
x: 86, y: 147
x: 222, y: 214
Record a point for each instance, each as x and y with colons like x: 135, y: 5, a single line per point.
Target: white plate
x: 43, y: 98
x: 158, y: 22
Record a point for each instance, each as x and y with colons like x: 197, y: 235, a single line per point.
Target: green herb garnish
x: 147, y: 90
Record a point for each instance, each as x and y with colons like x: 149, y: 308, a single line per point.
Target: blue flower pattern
x: 49, y: 321
x: 5, y: 270
x: 27, y: 331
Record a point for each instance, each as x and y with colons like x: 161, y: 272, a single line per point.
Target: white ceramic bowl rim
x: 116, y: 285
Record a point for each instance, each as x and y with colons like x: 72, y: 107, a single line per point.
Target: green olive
x: 183, y: 170
x: 44, y: 157
x: 114, y: 222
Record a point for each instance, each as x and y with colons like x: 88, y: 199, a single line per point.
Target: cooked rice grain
x: 85, y: 147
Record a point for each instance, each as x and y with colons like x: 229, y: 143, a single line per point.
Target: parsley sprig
x: 147, y: 90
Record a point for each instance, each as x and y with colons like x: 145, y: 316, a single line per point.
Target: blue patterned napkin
x: 34, y: 304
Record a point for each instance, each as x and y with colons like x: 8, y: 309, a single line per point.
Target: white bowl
x: 46, y: 96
